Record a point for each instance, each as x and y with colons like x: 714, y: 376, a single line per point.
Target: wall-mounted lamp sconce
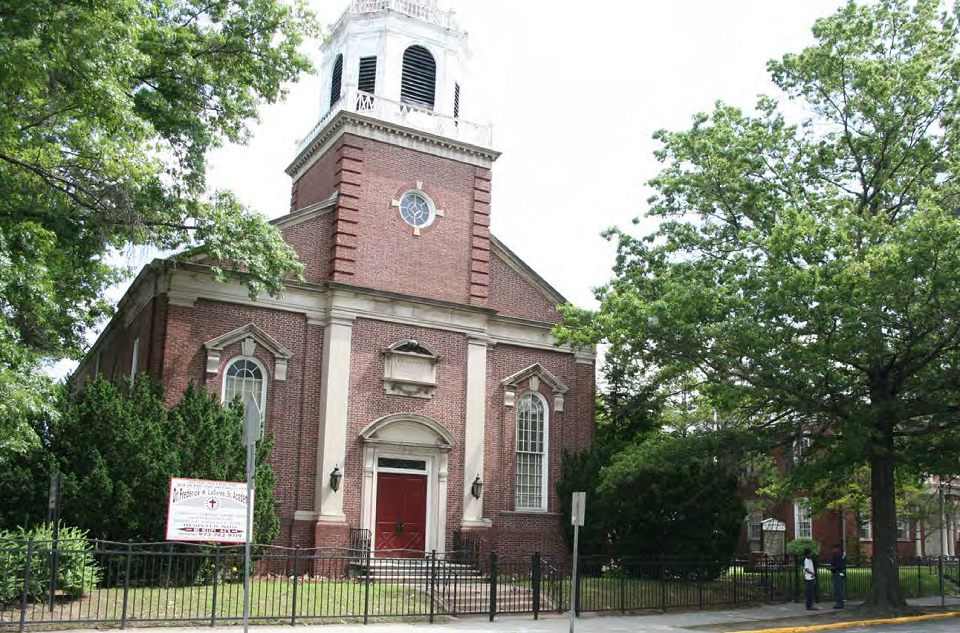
x: 335, y: 477
x: 476, y: 488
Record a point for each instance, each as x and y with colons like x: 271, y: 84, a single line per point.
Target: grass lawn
x: 270, y: 599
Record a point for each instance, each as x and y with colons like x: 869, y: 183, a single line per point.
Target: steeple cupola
x: 401, y: 61
x: 394, y: 174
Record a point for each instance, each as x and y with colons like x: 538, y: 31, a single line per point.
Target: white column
x: 334, y: 397
x: 474, y: 433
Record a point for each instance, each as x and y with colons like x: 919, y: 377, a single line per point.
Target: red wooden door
x: 401, y: 514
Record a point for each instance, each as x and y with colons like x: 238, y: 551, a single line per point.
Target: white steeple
x: 401, y: 61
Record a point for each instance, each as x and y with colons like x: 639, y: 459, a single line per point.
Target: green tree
x: 666, y: 496
x: 674, y: 497
x: 118, y: 446
x: 207, y: 437
x: 809, y: 273
x: 111, y: 444
x: 107, y: 112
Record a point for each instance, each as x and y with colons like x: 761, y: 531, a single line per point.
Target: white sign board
x: 204, y: 510
x: 579, y: 508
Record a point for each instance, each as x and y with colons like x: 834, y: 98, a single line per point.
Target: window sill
x: 532, y: 512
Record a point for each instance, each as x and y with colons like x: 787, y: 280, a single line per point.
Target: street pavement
x: 764, y: 617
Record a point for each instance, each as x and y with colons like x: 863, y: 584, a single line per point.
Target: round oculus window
x: 416, y: 210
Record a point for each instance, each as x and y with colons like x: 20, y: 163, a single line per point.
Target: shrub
x: 798, y: 545
x: 77, y: 571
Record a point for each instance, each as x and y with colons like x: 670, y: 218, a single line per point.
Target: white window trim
x: 906, y: 524
x: 263, y: 386
x: 545, y: 466
x: 134, y: 360
x: 798, y: 510
x: 435, y: 212
x: 868, y: 525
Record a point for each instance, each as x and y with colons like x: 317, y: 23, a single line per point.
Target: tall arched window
x: 336, y: 80
x: 245, y: 376
x: 418, y: 84
x: 531, y: 464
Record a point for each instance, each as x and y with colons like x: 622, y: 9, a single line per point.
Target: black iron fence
x: 119, y: 584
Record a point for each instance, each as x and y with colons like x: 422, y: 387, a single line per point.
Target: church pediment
x: 531, y: 378
x: 249, y: 336
x: 410, y: 429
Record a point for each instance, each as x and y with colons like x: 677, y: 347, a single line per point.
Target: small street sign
x: 579, y: 507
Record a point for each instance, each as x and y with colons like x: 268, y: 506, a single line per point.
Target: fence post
x: 535, y: 585
x: 736, y: 594
x: 623, y: 587
x: 54, y: 568
x: 663, y: 589
x: 433, y: 583
x: 169, y: 564
x: 296, y: 580
x: 919, y: 580
x: 26, y: 585
x: 216, y: 583
x: 126, y: 585
x: 493, y: 584
x: 796, y: 579
x: 366, y: 585
x: 700, y: 574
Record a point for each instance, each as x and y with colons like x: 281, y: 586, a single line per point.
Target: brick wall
x: 312, y: 240
x: 317, y: 184
x: 291, y: 404
x: 372, y: 246
x: 512, y: 295
x: 114, y: 351
x: 571, y: 429
x: 369, y: 402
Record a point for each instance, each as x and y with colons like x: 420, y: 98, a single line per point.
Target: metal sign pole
x: 573, y: 580
x: 578, y: 506
x: 943, y: 544
x: 251, y: 431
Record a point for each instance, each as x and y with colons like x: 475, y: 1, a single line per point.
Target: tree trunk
x: 885, y: 593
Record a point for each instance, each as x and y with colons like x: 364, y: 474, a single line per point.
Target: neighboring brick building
x: 416, y: 360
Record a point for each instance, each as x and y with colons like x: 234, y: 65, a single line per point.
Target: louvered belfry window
x: 336, y: 80
x: 456, y: 101
x: 419, y: 80
x: 367, y: 80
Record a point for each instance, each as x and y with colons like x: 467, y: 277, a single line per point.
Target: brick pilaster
x: 343, y: 255
x: 480, y: 243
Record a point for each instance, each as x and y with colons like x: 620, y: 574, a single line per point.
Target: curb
x: 843, y: 625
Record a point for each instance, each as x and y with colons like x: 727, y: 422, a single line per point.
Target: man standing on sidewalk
x: 809, y: 578
x: 838, y: 569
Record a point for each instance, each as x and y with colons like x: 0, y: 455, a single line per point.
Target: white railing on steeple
x: 426, y: 11
x: 405, y: 114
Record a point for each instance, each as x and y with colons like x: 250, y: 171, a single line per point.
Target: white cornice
x: 328, y: 303
x: 307, y: 213
x: 345, y: 122
x: 189, y: 286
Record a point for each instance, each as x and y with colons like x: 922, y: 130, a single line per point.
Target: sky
x: 575, y: 92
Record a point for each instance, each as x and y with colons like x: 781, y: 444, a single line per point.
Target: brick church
x: 412, y: 384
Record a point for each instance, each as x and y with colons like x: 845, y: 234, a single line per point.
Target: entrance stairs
x: 414, y: 570
x: 456, y: 587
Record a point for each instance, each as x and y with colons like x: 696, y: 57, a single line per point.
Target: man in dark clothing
x: 838, y: 569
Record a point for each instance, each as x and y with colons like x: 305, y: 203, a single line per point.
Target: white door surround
x: 408, y: 436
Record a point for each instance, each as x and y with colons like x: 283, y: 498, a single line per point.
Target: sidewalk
x: 720, y: 620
